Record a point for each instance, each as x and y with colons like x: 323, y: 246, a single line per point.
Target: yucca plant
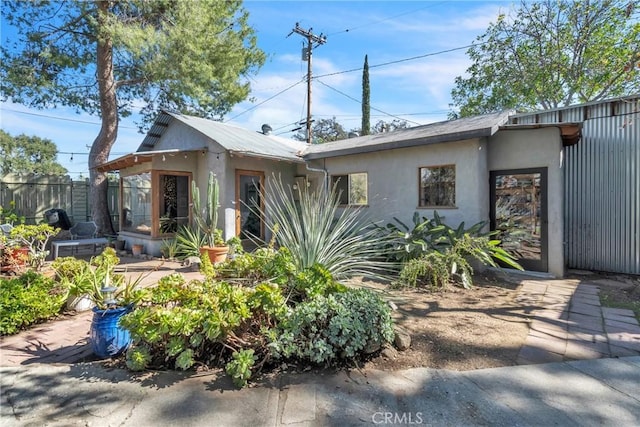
x: 189, y: 240
x: 315, y: 231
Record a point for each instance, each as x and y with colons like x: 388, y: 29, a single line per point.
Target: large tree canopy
x: 553, y: 53
x: 324, y: 130
x: 112, y: 58
x: 28, y: 154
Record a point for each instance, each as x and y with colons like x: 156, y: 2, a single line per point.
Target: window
x: 438, y: 186
x: 155, y: 203
x: 352, y: 188
x: 136, y: 202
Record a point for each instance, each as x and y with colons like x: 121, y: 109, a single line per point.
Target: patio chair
x: 84, y: 230
x: 82, y: 233
x: 6, y: 229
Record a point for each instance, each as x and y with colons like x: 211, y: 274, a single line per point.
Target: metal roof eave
x: 240, y: 153
x: 139, y: 157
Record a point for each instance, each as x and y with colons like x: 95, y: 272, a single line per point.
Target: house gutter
x: 324, y: 171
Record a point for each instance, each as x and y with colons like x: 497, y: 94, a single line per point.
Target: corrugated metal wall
x: 602, y: 184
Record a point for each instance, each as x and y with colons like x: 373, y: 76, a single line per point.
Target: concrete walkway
x: 42, y: 383
x: 602, y: 392
x: 570, y: 324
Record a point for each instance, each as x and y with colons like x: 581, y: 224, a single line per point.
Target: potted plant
x: 26, y: 244
x: 206, y: 220
x: 113, y: 297
x: 76, y: 276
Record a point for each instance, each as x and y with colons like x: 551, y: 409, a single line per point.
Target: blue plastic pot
x: 108, y: 339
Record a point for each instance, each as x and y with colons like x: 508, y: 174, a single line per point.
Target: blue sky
x: 416, y: 90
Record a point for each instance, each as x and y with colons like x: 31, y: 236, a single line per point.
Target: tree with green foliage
x: 381, y: 126
x: 366, y: 99
x: 28, y: 154
x: 552, y: 53
x: 324, y: 130
x: 109, y: 57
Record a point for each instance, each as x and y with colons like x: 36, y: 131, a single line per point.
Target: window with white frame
x: 352, y: 188
x: 438, y: 186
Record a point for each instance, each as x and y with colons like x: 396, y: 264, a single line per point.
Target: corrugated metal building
x: 602, y: 184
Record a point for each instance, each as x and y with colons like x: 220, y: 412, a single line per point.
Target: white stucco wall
x: 179, y: 135
x: 533, y: 148
x: 393, y: 180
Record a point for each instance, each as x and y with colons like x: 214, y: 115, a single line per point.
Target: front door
x: 519, y: 212
x: 249, y: 204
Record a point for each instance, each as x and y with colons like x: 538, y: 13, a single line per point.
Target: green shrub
x: 68, y: 267
x: 431, y: 253
x: 181, y: 324
x: 239, y: 368
x: 438, y: 268
x: 264, y: 264
x: 28, y: 299
x: 337, y: 326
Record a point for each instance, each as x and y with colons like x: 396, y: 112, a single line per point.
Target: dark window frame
x: 438, y: 184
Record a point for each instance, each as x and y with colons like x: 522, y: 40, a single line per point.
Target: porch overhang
x: 570, y: 132
x: 140, y: 157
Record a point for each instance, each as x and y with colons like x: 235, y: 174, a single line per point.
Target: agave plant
x: 315, y: 231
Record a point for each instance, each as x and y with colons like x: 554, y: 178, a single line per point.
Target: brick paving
x: 569, y: 324
x: 566, y: 323
x: 66, y: 339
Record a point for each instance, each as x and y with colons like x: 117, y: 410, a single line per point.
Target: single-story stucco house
x: 155, y: 181
x: 473, y: 169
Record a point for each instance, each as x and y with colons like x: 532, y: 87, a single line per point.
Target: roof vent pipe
x: 266, y: 129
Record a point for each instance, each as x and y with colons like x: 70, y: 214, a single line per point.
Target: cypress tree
x: 366, y: 94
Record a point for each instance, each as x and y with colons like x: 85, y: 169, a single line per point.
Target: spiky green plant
x: 316, y: 231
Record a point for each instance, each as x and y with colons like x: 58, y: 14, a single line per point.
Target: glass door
x: 249, y: 223
x: 519, y: 213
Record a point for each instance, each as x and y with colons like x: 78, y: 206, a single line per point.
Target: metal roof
x: 234, y: 139
x: 451, y: 130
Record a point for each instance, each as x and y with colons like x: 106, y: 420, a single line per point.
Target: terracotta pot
x: 16, y: 258
x: 217, y: 254
x: 136, y: 249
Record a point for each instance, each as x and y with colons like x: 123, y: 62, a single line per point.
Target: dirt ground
x: 482, y: 327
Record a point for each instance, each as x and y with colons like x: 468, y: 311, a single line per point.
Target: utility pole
x: 311, y: 39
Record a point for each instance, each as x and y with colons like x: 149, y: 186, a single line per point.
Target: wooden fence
x: 32, y: 195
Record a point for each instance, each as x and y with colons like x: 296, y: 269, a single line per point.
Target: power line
x: 60, y: 118
x: 386, y: 19
x: 266, y: 100
x: 360, y: 102
x: 358, y: 69
x: 400, y: 60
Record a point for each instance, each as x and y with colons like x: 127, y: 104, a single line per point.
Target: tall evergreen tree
x: 107, y: 57
x: 366, y: 95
